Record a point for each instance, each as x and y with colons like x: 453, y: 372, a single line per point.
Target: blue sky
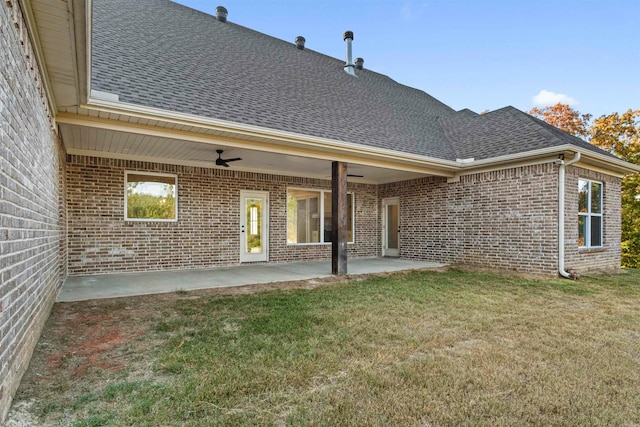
x: 481, y: 54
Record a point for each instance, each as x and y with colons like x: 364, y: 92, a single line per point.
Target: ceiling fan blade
x: 355, y: 176
x: 232, y: 160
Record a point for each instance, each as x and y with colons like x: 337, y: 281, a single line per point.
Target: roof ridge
x: 161, y: 54
x: 515, y: 112
x: 306, y: 49
x: 251, y: 30
x: 462, y: 120
x: 549, y: 129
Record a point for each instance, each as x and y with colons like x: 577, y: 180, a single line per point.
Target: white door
x: 391, y: 227
x: 254, y: 226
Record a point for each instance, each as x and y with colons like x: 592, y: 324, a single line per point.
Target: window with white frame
x: 589, y: 213
x: 150, y: 197
x: 309, y: 216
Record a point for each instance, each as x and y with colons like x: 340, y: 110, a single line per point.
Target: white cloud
x: 406, y: 12
x: 412, y: 12
x: 546, y: 98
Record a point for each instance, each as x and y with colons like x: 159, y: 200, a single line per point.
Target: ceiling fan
x: 224, y: 162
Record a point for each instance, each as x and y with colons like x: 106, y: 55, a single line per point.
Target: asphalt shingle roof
x: 504, y: 131
x: 160, y: 54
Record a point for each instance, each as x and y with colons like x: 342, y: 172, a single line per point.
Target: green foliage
x: 620, y: 135
x: 631, y: 221
x: 150, y: 206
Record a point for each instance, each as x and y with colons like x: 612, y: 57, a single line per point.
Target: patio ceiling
x: 94, y: 141
x: 86, y: 140
x: 125, y: 131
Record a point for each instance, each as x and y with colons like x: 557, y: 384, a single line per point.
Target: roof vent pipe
x: 300, y: 42
x: 359, y: 63
x: 349, y: 67
x: 221, y: 14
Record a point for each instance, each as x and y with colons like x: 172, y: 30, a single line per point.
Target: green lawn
x: 414, y: 349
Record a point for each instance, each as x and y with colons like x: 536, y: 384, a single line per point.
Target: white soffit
x: 56, y: 37
x: 98, y: 142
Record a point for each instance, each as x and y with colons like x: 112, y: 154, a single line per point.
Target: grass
x: 421, y: 348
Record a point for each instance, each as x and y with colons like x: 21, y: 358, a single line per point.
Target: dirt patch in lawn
x: 88, y: 344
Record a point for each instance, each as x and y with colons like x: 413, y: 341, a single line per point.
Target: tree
x: 620, y: 135
x: 564, y: 117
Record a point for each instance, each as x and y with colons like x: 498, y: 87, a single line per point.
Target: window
x: 309, y: 216
x: 589, y: 213
x: 150, y: 197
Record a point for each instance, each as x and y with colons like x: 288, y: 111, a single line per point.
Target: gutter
x: 561, y: 179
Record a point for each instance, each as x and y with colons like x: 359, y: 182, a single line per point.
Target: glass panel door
x: 391, y: 227
x: 253, y: 226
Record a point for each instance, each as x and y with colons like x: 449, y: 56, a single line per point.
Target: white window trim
x: 126, y: 180
x: 588, y: 215
x: 322, y: 191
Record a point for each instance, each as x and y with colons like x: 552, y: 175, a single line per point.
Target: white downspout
x: 561, y: 173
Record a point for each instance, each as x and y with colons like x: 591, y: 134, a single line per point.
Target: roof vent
x: 300, y: 42
x: 466, y: 161
x: 349, y: 67
x: 359, y: 63
x: 221, y: 14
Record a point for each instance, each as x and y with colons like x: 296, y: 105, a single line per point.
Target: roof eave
x: 447, y: 167
x: 606, y: 162
x: 613, y: 164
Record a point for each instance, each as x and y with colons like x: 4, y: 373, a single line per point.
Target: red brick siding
x: 206, y: 233
x: 31, y: 204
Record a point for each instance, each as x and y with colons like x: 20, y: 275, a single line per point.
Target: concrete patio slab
x: 80, y: 288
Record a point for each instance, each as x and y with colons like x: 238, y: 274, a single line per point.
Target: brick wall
x: 608, y: 257
x: 31, y: 204
x: 206, y: 233
x: 503, y: 219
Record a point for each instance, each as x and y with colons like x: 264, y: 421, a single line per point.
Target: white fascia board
x: 89, y: 43
x: 614, y: 163
x: 604, y: 160
x: 511, y: 158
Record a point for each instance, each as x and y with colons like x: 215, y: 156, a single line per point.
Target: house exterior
x: 113, y: 113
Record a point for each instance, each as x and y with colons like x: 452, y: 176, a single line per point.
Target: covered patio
x: 80, y: 288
